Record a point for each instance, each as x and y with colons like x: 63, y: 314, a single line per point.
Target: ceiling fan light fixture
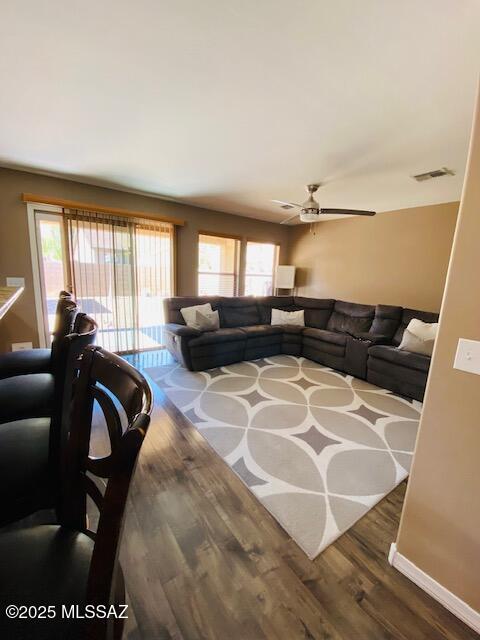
x: 310, y: 211
x: 309, y: 215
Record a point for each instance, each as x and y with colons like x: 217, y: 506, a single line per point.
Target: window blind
x: 121, y: 270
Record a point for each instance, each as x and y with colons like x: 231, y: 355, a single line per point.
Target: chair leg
x: 119, y: 598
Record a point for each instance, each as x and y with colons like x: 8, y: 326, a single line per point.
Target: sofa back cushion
x: 317, y: 311
x: 386, y: 320
x: 350, y: 317
x: 409, y: 314
x: 172, y: 306
x: 265, y: 304
x: 239, y: 312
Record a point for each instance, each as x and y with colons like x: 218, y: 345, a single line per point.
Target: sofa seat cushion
x: 410, y: 386
x: 333, y: 337
x: 215, y: 337
x: 259, y: 330
x: 292, y: 329
x: 397, y: 372
x: 399, y: 357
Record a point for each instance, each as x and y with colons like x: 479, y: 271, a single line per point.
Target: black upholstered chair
x: 30, y: 446
x: 31, y: 386
x: 66, y: 563
x: 18, y: 363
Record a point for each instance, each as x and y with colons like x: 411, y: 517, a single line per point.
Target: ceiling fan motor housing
x: 310, y: 211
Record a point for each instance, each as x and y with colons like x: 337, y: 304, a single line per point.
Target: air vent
x: 436, y: 173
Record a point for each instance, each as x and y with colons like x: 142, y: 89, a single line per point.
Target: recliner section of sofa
x: 360, y: 340
x: 400, y: 371
x: 335, y: 345
x: 216, y: 348
x: 382, y: 328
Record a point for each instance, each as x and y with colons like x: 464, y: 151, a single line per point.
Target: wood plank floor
x: 204, y: 560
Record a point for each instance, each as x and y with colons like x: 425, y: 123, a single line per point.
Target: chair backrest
x: 65, y: 315
x: 65, y: 299
x: 69, y: 350
x: 113, y: 383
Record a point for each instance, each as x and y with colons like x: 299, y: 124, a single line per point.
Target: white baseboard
x: 440, y: 593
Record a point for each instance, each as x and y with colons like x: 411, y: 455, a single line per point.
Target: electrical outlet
x: 21, y: 346
x: 15, y: 282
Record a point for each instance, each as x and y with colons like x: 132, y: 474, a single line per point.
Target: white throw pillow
x: 207, y: 321
x: 419, y: 337
x: 295, y: 318
x: 189, y: 313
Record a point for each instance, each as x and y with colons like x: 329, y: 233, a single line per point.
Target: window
x: 218, y: 259
x: 260, y: 264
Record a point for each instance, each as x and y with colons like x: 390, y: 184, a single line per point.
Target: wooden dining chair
x: 67, y: 563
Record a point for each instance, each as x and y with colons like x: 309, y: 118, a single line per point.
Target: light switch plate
x: 21, y: 346
x: 15, y: 282
x: 467, y: 357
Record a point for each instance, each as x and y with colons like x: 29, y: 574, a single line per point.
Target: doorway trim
x: 32, y: 207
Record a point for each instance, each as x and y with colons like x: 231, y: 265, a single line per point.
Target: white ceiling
x: 230, y: 104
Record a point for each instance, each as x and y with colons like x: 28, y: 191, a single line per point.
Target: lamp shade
x: 285, y: 276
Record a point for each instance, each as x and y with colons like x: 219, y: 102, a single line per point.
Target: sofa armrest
x: 182, y: 330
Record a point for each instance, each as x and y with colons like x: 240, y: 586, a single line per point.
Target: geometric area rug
x: 318, y: 448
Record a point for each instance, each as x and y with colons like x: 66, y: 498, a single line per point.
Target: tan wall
x: 20, y: 323
x: 399, y: 257
x: 440, y: 527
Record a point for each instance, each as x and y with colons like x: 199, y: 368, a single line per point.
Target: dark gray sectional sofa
x: 357, y: 339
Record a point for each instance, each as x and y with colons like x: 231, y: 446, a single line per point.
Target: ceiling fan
x: 310, y: 210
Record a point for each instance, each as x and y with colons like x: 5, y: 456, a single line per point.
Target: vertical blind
x: 121, y: 270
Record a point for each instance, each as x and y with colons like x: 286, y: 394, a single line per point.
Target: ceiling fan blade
x: 287, y: 204
x: 347, y: 212
x: 290, y: 219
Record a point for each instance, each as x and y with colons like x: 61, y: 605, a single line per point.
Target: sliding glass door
x: 120, y: 270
